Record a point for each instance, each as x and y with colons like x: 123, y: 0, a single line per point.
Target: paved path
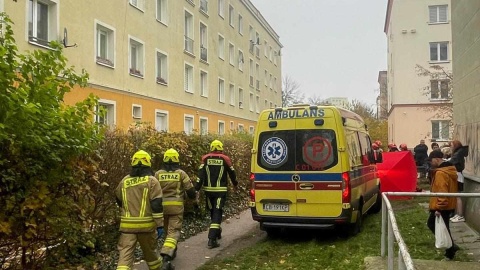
x: 193, y: 253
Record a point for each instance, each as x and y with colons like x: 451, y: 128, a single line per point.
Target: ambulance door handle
x: 306, y: 186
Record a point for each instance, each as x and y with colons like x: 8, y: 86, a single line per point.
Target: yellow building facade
x: 182, y: 65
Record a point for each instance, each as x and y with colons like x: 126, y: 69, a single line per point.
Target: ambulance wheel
x: 378, y: 203
x: 355, y: 228
x: 273, y: 232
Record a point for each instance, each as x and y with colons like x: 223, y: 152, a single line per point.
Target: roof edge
x: 387, y: 16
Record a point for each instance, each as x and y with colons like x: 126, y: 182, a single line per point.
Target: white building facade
x: 419, y: 35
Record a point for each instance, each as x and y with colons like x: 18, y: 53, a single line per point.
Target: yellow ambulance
x: 312, y: 167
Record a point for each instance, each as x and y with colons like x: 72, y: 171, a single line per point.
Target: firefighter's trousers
x: 172, y: 220
x: 215, y: 205
x: 148, y: 243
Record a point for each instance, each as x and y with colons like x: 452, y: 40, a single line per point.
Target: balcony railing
x: 188, y: 45
x: 203, y: 53
x: 204, y: 6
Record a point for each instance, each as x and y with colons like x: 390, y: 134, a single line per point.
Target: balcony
x: 188, y: 45
x: 204, y: 6
x: 203, y: 53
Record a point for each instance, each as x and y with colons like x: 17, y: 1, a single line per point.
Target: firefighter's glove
x: 159, y: 232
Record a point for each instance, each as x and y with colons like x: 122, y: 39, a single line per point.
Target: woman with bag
x: 444, y: 180
x: 459, y: 152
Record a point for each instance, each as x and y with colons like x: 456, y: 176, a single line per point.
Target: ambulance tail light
x: 252, y: 187
x: 346, y: 188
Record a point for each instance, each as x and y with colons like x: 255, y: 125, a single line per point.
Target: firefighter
x: 213, y: 177
x: 139, y: 196
x: 175, y: 183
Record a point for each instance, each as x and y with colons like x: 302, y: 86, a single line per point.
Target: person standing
x: 420, y: 154
x: 404, y: 147
x: 213, y: 178
x: 175, y: 183
x: 444, y: 180
x: 139, y: 196
x: 459, y: 152
x: 434, y: 146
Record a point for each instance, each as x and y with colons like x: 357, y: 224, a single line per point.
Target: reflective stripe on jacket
x: 213, y: 173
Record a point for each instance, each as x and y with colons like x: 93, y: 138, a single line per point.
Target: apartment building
x: 382, y: 97
x: 181, y: 65
x: 418, y: 34
x: 341, y: 102
x: 466, y: 74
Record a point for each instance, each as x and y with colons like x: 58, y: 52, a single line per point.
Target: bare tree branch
x: 290, y: 92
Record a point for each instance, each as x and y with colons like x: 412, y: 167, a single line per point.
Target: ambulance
x: 313, y: 167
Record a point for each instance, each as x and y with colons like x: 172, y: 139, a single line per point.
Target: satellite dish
x: 65, y: 39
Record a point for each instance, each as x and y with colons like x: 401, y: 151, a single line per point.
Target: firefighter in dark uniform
x: 139, y: 196
x: 213, y: 177
x: 175, y: 183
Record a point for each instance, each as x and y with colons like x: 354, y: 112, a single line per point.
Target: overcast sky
x: 332, y: 48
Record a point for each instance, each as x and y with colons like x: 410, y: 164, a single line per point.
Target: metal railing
x: 405, y: 262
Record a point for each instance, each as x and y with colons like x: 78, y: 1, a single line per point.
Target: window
x: 188, y: 78
x: 257, y: 74
x: 257, y: 41
x: 188, y: 124
x: 240, y: 60
x: 271, y: 81
x: 439, y: 89
x: 438, y: 51
x: 257, y: 104
x: 240, y: 24
x: 221, y: 8
x: 252, y: 39
x: 203, y: 126
x: 241, y: 128
x: 275, y: 84
x: 240, y: 98
x: 162, y: 11
x: 251, y: 105
x: 231, y: 92
x: 231, y: 125
x: 438, y: 14
x: 105, y: 44
x: 42, y: 21
x: 440, y: 129
x: 231, y: 16
x: 140, y: 4
x: 204, y: 6
x: 270, y: 54
x: 188, y: 32
x: 231, y: 54
x: 251, y: 72
x: 203, y: 42
x: 203, y: 83
x: 105, y: 112
x: 162, y: 68
x: 221, y: 90
x: 221, y: 47
x: 136, y: 57
x: 265, y: 49
x: 137, y: 111
x: 266, y: 77
x: 251, y: 130
x: 161, y: 120
x: 221, y: 128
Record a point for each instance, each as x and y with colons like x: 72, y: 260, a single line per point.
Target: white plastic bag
x: 442, y: 237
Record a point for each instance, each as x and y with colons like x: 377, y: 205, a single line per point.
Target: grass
x: 329, y: 250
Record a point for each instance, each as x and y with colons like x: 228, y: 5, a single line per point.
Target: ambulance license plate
x: 275, y: 207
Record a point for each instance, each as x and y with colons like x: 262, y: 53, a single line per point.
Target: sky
x: 332, y: 48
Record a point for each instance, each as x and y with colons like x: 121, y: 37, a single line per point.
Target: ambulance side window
x: 365, y: 146
x: 353, y: 148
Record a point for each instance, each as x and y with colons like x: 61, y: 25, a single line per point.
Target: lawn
x: 329, y: 250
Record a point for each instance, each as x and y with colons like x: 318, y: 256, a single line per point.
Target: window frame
x: 231, y: 93
x: 163, y: 16
x: 440, y: 129
x: 162, y: 77
x: 166, y: 113
x: 439, y: 90
x: 221, y: 8
x: 109, y: 60
x: 203, y: 84
x: 219, y: 129
x: 191, y: 80
x: 221, y: 92
x: 185, y: 117
x: 136, y: 111
x: 200, y: 131
x: 140, y: 4
x: 111, y: 104
x: 221, y: 46
x: 52, y: 22
x: 437, y: 14
x: 139, y: 69
x: 438, y: 52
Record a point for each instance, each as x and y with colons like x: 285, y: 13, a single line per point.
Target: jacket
x: 174, y: 185
x: 140, y: 199
x: 420, y: 154
x: 458, y: 158
x: 444, y: 180
x: 213, y: 174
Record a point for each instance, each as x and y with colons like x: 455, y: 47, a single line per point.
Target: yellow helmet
x: 216, y: 145
x: 171, y: 156
x: 141, y: 157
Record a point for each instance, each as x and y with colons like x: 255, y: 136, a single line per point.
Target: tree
x: 42, y: 143
x: 317, y: 100
x: 377, y: 128
x: 440, y: 89
x: 290, y: 92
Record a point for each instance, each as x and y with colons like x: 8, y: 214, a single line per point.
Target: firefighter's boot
x: 167, y: 263
x: 212, y: 243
